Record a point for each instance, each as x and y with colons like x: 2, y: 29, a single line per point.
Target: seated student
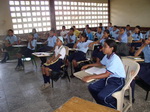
x: 128, y: 31
x: 27, y: 52
x: 80, y: 55
x: 10, y: 40
x: 110, y: 27
x: 76, y: 32
x: 111, y: 81
x: 71, y: 38
x: 144, y: 71
x: 64, y: 32
x: 54, y: 63
x: 115, y: 32
x: 90, y: 34
x: 101, y: 25
x: 97, y: 54
x: 86, y: 28
x: 137, y: 39
x: 50, y: 45
x: 36, y: 36
x: 122, y: 36
x: 99, y: 33
x: 147, y: 34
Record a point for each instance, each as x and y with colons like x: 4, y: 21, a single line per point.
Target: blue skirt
x: 55, y: 66
x: 78, y: 56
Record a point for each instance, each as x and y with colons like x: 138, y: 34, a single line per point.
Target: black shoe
x: 3, y: 61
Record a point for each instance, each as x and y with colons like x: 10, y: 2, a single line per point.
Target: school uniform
x: 99, y: 35
x: 63, y: 33
x: 80, y: 54
x: 70, y: 43
x: 128, y: 32
x: 110, y: 29
x: 51, y: 41
x: 90, y: 36
x: 36, y: 35
x: 12, y: 39
x: 147, y: 34
x: 137, y: 37
x: 115, y: 33
x: 76, y: 33
x: 85, y: 31
x: 56, y: 66
x: 103, y: 89
x: 124, y: 37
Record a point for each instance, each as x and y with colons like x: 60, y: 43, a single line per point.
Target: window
x: 30, y: 14
x: 70, y: 13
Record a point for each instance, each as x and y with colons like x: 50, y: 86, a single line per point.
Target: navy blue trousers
x: 103, y: 89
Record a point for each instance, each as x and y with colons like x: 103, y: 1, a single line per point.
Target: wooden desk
x: 76, y: 104
x: 137, y: 59
x: 42, y: 54
x: 19, y: 46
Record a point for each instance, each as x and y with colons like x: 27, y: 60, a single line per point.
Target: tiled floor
x: 20, y: 91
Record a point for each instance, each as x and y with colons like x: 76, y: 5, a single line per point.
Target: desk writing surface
x: 42, y: 54
x: 137, y: 59
x: 76, y: 104
x: 19, y: 45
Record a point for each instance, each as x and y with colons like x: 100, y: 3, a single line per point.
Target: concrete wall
x: 133, y: 12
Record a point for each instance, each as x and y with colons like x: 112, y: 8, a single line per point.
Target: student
x: 128, y: 31
x: 101, y: 25
x: 111, y: 81
x: 36, y: 36
x: 90, y: 34
x: 26, y: 52
x: 64, y: 32
x: 110, y: 27
x: 97, y: 54
x: 122, y: 36
x: 86, y: 28
x: 10, y: 40
x: 99, y: 33
x: 147, y: 34
x: 54, y: 63
x: 137, y: 38
x: 76, y: 32
x: 115, y: 32
x: 50, y: 45
x: 144, y: 71
x: 71, y: 38
x: 80, y: 54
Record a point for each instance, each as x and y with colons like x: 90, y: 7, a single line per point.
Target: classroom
x: 74, y: 56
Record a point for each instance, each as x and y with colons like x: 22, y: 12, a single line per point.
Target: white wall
x: 133, y: 12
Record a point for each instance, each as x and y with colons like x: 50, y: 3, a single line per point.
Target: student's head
x: 106, y: 33
x: 109, y: 47
x: 89, y: 30
x: 59, y: 41
x: 83, y: 37
x: 115, y: 28
x: 74, y: 27
x: 109, y: 24
x: 51, y: 33
x: 100, y: 24
x: 30, y: 36
x: 87, y: 26
x: 63, y: 28
x: 33, y: 30
x: 71, y: 31
x: 122, y: 30
x: 137, y: 29
x: 10, y: 32
x: 128, y: 27
x: 99, y: 29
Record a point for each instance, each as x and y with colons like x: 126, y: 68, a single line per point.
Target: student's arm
x: 100, y: 76
x: 30, y: 42
x: 75, y: 45
x: 91, y: 65
x: 139, y: 41
x: 141, y: 48
x: 96, y: 42
x: 50, y: 59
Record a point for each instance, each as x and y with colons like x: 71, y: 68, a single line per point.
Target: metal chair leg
x: 146, y: 95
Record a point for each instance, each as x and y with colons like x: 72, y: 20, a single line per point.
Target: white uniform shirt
x: 61, y: 50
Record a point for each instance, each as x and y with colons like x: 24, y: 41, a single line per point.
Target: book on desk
x: 88, y: 72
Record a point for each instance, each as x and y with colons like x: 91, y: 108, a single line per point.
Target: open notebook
x: 133, y: 57
x: 89, y: 71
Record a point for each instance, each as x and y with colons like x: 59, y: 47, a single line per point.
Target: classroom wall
x: 5, y: 18
x: 133, y: 12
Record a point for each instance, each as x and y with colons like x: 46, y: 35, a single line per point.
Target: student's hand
x: 48, y: 61
x: 87, y: 78
x: 84, y: 67
x: 90, y: 45
x: 146, y: 42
